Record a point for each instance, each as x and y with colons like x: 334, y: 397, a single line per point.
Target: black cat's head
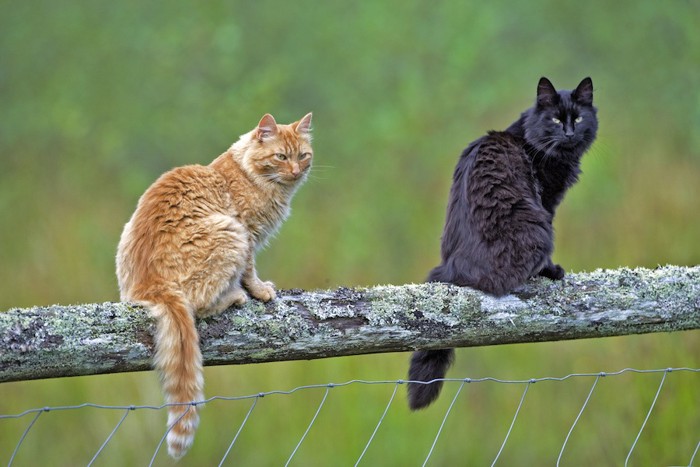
x: 562, y: 120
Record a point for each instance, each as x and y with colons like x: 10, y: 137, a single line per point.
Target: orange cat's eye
x: 306, y: 155
x: 281, y: 157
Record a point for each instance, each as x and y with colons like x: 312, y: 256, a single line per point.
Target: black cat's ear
x: 583, y: 94
x: 266, y: 128
x: 546, y: 94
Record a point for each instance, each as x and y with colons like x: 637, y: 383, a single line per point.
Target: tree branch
x: 56, y: 341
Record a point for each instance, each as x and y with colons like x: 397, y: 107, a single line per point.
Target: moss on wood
x: 54, y: 341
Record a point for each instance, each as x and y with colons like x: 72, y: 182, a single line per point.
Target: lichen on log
x: 57, y: 341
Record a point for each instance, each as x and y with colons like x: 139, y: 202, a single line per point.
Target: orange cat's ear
x: 303, y: 126
x: 266, y: 128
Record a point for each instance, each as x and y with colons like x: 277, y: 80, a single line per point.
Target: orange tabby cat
x: 189, y: 250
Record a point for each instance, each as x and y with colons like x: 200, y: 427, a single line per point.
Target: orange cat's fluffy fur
x: 189, y: 250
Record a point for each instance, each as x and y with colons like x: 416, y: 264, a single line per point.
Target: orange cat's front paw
x: 263, y: 291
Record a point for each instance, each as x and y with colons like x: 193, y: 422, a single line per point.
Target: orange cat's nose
x: 296, y: 170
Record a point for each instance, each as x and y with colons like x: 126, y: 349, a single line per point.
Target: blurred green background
x: 98, y: 98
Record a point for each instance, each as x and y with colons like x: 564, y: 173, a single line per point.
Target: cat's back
x: 176, y: 203
x: 492, y: 176
x: 497, y: 166
x: 169, y: 213
x: 194, y: 188
x: 500, y: 152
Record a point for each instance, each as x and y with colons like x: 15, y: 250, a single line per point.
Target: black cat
x: 505, y: 189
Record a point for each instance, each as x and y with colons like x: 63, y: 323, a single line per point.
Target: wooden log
x: 57, y: 341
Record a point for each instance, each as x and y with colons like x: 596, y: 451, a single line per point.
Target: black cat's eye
x: 578, y: 120
x: 556, y: 120
x: 281, y: 157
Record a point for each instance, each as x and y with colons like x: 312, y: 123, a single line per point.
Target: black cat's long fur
x: 505, y: 190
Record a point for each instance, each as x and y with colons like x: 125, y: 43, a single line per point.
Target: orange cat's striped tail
x: 179, y: 360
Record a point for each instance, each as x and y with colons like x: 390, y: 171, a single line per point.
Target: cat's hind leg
x: 214, y: 283
x: 233, y: 296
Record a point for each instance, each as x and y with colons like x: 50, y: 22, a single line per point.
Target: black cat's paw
x: 553, y: 271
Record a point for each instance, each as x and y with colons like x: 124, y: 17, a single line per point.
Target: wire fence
x: 34, y: 415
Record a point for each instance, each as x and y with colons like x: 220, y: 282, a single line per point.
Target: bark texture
x: 57, y: 341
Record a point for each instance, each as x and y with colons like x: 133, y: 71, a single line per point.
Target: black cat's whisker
x: 602, y: 153
x: 539, y: 145
x: 550, y: 149
x: 549, y: 144
x: 543, y: 153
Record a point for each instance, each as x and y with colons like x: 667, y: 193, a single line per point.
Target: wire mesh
x: 35, y: 414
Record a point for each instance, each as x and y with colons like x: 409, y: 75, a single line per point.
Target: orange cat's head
x: 279, y: 153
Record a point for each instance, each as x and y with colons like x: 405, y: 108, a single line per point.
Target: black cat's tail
x: 426, y: 366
